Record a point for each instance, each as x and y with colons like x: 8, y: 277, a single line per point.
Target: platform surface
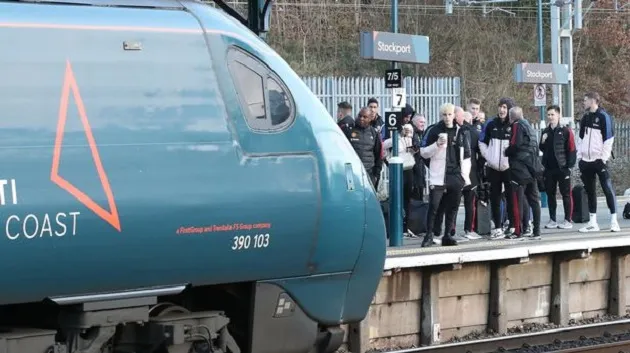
x: 552, y: 240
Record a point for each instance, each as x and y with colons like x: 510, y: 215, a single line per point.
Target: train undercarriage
x: 234, y: 318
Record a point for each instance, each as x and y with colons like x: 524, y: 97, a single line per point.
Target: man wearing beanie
x: 493, y: 140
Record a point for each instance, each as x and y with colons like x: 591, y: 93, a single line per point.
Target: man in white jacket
x: 493, y: 140
x: 595, y: 143
x: 446, y: 149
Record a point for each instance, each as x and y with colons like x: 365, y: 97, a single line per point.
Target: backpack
x: 626, y: 211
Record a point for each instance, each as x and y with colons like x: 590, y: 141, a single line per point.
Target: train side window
x: 267, y: 104
x: 279, y: 103
x: 252, y: 87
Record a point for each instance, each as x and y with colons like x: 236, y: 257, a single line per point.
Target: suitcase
x: 580, y: 205
x: 482, y: 217
x: 417, y: 221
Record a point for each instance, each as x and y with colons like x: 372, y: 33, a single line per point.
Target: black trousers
x: 589, y: 171
x: 531, y: 193
x: 470, y: 197
x: 446, y: 197
x: 525, y: 209
x: 497, y: 181
x: 418, y: 191
x: 407, y: 189
x: 559, y: 179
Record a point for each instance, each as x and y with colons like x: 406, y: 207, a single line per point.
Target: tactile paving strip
x: 475, y: 245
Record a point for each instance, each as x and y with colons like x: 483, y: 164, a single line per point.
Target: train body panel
x: 156, y: 147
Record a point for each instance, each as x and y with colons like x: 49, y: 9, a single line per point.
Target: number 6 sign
x: 393, y: 120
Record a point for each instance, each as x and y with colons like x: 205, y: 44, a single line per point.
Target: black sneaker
x: 427, y: 241
x: 449, y: 241
x: 513, y: 236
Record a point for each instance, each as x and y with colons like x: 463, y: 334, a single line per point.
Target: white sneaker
x: 551, y: 225
x: 496, y: 234
x: 590, y: 227
x: 565, y: 225
x: 472, y: 235
x: 410, y: 234
x: 614, y: 226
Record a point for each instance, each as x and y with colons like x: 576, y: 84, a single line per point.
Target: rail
x: 615, y: 347
x: 523, y: 342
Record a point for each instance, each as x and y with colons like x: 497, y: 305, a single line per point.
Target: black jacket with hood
x: 525, y: 166
x: 475, y: 154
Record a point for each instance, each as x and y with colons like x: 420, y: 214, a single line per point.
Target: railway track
x: 605, y: 337
x: 615, y: 347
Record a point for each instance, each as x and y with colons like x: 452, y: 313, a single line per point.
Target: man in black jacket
x: 478, y: 120
x: 419, y: 169
x: 344, y: 118
x: 446, y: 148
x: 525, y: 167
x: 557, y: 144
x: 377, y: 121
x: 367, y: 145
x: 470, y: 191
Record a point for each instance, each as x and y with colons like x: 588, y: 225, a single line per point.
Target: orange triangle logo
x: 111, y: 216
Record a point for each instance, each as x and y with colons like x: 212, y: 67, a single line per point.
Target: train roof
x: 151, y: 4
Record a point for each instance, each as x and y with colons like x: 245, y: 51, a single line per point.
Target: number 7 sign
x: 399, y: 97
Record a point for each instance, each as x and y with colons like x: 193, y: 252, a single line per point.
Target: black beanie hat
x: 509, y: 102
x: 408, y: 110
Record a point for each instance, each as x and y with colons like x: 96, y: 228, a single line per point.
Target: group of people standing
x: 465, y: 157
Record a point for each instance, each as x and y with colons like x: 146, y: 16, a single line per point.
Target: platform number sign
x: 399, y: 98
x: 394, y: 120
x: 393, y: 78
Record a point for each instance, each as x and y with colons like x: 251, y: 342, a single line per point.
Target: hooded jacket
x: 596, y: 136
x: 525, y: 166
x: 438, y: 156
x: 419, y: 173
x: 474, y: 153
x: 346, y: 124
x: 495, y: 138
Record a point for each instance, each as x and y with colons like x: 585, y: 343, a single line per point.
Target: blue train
x: 169, y: 184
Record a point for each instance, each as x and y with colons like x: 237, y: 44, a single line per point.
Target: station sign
x: 395, y: 47
x: 393, y: 78
x: 554, y: 74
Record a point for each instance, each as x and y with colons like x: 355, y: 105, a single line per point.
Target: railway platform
x: 429, y: 296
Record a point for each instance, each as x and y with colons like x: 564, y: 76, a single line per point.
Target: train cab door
x: 274, y: 158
